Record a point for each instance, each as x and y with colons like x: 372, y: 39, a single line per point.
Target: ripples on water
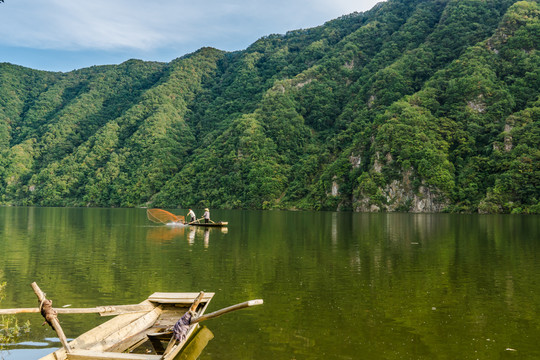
x: 335, y: 285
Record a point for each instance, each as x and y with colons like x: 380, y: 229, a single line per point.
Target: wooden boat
x: 164, y: 217
x: 144, y: 335
x: 156, y: 329
x: 214, y: 224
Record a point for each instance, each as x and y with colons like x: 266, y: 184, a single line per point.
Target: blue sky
x: 63, y: 35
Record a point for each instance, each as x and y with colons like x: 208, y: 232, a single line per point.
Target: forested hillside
x: 415, y: 105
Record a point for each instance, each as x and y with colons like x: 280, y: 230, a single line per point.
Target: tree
x: 412, y: 100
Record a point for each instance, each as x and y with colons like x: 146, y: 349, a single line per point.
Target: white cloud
x: 64, y: 24
x: 62, y: 35
x: 147, y: 25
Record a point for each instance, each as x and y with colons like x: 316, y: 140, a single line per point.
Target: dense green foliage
x: 412, y: 106
x: 10, y: 329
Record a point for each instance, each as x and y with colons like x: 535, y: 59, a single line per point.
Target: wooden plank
x: 126, y: 332
x: 169, y: 317
x: 96, y: 355
x: 117, y: 309
x: 178, y: 298
x: 110, y: 310
x: 98, y: 333
x: 106, y: 329
x: 134, y: 341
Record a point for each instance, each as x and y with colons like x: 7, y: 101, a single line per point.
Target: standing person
x: 206, y: 216
x: 191, y: 214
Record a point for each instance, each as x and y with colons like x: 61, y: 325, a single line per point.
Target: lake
x: 335, y: 285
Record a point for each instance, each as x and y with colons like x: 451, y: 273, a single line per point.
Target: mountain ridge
x: 421, y: 106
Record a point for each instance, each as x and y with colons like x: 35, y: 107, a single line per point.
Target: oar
x: 102, y: 310
x: 197, y: 221
x: 226, y: 310
x: 182, y: 326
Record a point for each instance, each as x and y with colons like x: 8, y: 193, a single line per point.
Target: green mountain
x: 415, y: 105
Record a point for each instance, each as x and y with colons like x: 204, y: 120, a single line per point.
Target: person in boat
x: 206, y: 216
x: 192, y: 216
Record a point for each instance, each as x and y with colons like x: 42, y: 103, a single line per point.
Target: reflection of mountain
x: 196, y: 345
x: 413, y: 301
x: 164, y: 234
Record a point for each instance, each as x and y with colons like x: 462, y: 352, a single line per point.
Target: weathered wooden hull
x: 137, y: 336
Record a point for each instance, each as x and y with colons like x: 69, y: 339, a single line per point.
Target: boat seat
x: 78, y: 354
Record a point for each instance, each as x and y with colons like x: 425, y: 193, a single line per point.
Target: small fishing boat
x: 210, y: 224
x: 161, y: 216
x: 156, y: 329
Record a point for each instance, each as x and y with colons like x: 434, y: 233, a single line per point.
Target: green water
x: 335, y: 285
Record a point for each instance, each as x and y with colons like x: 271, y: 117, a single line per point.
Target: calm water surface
x: 335, y: 285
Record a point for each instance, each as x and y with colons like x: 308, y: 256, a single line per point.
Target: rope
x: 47, y: 311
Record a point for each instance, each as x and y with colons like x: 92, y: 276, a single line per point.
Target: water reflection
x: 168, y: 233
x: 206, y: 238
x: 196, y: 345
x: 335, y: 285
x: 191, y: 236
x: 164, y: 234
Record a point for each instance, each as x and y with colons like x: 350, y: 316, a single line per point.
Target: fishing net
x: 163, y: 217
